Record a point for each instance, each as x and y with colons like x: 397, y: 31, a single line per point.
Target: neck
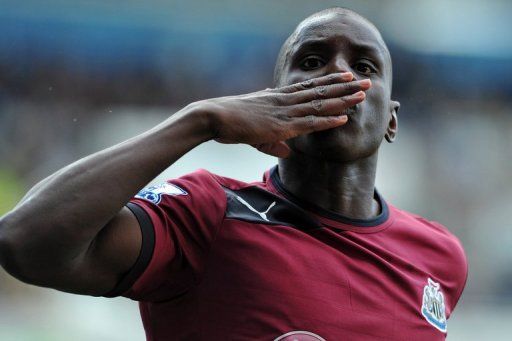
x: 346, y: 188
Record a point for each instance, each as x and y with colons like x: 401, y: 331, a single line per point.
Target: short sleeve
x: 179, y: 220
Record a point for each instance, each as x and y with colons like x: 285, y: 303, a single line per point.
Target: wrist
x: 202, y: 119
x: 205, y: 118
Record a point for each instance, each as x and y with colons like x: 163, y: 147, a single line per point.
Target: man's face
x: 335, y: 43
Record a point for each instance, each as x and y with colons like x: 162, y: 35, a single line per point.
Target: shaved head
x: 334, y: 41
x: 286, y: 48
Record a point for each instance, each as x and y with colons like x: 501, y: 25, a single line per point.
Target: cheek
x: 376, y: 106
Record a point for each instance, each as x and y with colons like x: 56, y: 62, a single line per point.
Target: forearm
x: 57, y: 220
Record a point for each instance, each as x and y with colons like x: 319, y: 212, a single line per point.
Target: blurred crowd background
x: 78, y: 76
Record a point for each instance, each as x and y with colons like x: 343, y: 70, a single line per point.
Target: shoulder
x: 201, y: 190
x: 433, y: 231
x: 436, y: 248
x: 447, y: 244
x: 198, y: 184
x: 197, y: 196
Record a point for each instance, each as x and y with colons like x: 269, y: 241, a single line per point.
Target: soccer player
x: 312, y: 252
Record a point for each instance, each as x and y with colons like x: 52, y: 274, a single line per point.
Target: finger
x: 311, y: 123
x: 312, y: 83
x: 277, y: 149
x: 326, y: 107
x: 328, y: 91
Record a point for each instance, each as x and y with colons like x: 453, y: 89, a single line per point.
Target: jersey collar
x: 330, y: 218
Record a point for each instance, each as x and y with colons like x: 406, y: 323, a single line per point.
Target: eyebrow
x: 372, y: 49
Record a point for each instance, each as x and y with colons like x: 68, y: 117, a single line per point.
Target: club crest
x: 154, y: 193
x: 433, y: 307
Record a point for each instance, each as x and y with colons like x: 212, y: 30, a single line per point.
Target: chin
x: 326, y: 146
x: 342, y: 137
x: 341, y: 144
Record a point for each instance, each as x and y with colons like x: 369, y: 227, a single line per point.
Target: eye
x: 365, y: 68
x: 311, y: 63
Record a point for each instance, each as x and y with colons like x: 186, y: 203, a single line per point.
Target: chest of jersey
x: 263, y: 281
x: 233, y: 261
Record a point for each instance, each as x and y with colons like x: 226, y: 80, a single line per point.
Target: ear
x: 392, y: 129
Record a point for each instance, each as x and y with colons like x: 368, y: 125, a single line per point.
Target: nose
x: 339, y: 64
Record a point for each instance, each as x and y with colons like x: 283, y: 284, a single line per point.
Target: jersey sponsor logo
x: 299, y: 335
x: 433, y: 308
x: 256, y: 205
x: 154, y: 193
x: 263, y: 214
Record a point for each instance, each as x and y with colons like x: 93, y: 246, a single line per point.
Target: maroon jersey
x: 226, y: 260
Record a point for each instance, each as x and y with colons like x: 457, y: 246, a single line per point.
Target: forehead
x: 339, y: 27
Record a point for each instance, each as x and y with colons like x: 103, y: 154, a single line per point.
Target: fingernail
x: 359, y: 95
x: 347, y: 76
x: 366, y: 82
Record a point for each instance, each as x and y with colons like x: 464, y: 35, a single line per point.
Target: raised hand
x: 265, y: 119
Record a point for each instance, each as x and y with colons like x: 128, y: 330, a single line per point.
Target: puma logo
x: 263, y: 214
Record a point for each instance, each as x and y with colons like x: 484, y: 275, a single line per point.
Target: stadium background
x: 78, y: 76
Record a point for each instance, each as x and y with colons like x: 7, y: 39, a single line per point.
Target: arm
x: 58, y: 236
x: 71, y: 232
